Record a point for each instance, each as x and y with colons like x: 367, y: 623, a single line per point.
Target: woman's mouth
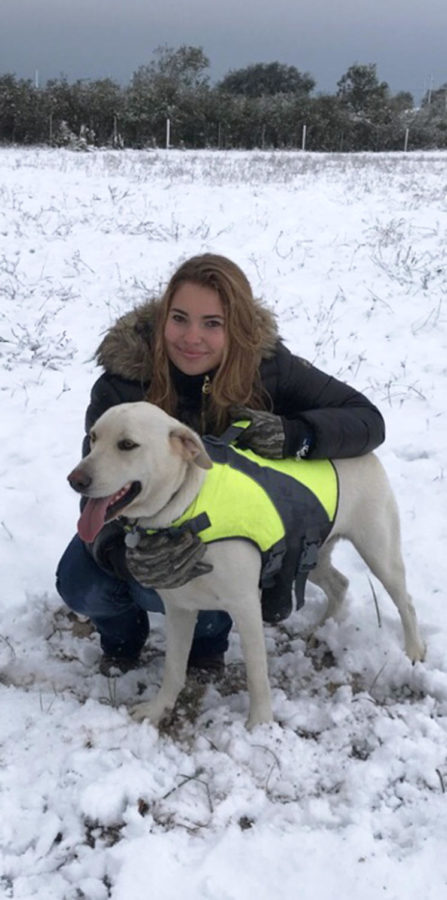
x: 191, y: 354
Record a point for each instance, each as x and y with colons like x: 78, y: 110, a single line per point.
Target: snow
x: 345, y: 795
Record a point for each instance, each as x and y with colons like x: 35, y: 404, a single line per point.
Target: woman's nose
x: 193, y: 334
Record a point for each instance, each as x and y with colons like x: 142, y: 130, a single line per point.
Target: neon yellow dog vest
x: 243, y: 502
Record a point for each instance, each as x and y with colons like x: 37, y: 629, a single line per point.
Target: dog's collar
x: 133, y: 530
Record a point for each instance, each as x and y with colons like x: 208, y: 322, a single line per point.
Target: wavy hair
x: 237, y: 380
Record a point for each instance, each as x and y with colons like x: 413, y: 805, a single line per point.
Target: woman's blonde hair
x: 237, y: 380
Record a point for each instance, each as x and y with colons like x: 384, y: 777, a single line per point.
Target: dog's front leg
x: 179, y: 633
x: 248, y: 618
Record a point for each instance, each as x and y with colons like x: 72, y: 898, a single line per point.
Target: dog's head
x: 139, y: 459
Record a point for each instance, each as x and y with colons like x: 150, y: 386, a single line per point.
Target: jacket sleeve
x: 341, y: 421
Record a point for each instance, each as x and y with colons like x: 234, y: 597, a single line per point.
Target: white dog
x: 148, y: 466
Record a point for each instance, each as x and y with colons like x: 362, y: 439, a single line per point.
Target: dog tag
x: 132, y: 539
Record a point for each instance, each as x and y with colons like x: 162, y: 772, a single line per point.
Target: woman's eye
x: 126, y: 444
x: 176, y: 317
x: 214, y: 323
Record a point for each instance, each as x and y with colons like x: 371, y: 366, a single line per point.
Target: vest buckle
x: 309, y: 554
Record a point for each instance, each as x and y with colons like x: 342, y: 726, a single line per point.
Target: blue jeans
x: 118, y: 609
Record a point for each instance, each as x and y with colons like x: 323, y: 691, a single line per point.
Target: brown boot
x: 112, y: 666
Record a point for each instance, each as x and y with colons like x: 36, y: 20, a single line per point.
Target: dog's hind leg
x: 386, y: 564
x: 179, y: 633
x: 378, y: 543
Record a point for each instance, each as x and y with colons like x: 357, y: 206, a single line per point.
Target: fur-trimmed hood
x: 126, y: 349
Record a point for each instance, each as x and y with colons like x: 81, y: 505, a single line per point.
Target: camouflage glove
x: 166, y: 560
x: 265, y: 435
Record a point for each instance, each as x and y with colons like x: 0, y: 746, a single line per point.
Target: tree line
x: 265, y: 105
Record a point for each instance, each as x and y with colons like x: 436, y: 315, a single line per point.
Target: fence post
x: 168, y: 133
x: 407, y: 134
x: 303, y: 139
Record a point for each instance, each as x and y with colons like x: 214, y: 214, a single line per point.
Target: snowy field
x: 346, y: 795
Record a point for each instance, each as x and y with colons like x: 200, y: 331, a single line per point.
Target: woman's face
x: 195, y: 336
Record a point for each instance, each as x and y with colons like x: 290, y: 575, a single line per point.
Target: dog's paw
x: 416, y: 651
x: 150, y: 711
x: 251, y: 724
x: 259, y: 717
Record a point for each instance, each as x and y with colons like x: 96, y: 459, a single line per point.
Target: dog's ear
x: 188, y: 444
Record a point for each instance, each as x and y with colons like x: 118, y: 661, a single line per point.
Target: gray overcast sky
x: 111, y: 38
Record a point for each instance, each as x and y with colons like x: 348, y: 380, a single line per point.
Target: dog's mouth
x: 98, y: 511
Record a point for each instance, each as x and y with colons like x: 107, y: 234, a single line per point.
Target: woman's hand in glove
x: 166, y: 560
x: 265, y: 435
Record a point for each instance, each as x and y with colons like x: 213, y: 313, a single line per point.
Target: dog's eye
x: 127, y: 444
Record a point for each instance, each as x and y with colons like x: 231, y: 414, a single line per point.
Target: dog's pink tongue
x: 92, y: 518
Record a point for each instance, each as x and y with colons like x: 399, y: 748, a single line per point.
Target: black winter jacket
x: 340, y: 421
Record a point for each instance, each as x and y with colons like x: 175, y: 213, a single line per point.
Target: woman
x: 203, y: 352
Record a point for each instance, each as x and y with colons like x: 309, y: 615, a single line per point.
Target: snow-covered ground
x: 346, y: 795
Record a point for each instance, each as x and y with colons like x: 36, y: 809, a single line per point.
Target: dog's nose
x: 79, y: 480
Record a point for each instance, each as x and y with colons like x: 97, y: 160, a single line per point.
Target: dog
x: 149, y: 467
